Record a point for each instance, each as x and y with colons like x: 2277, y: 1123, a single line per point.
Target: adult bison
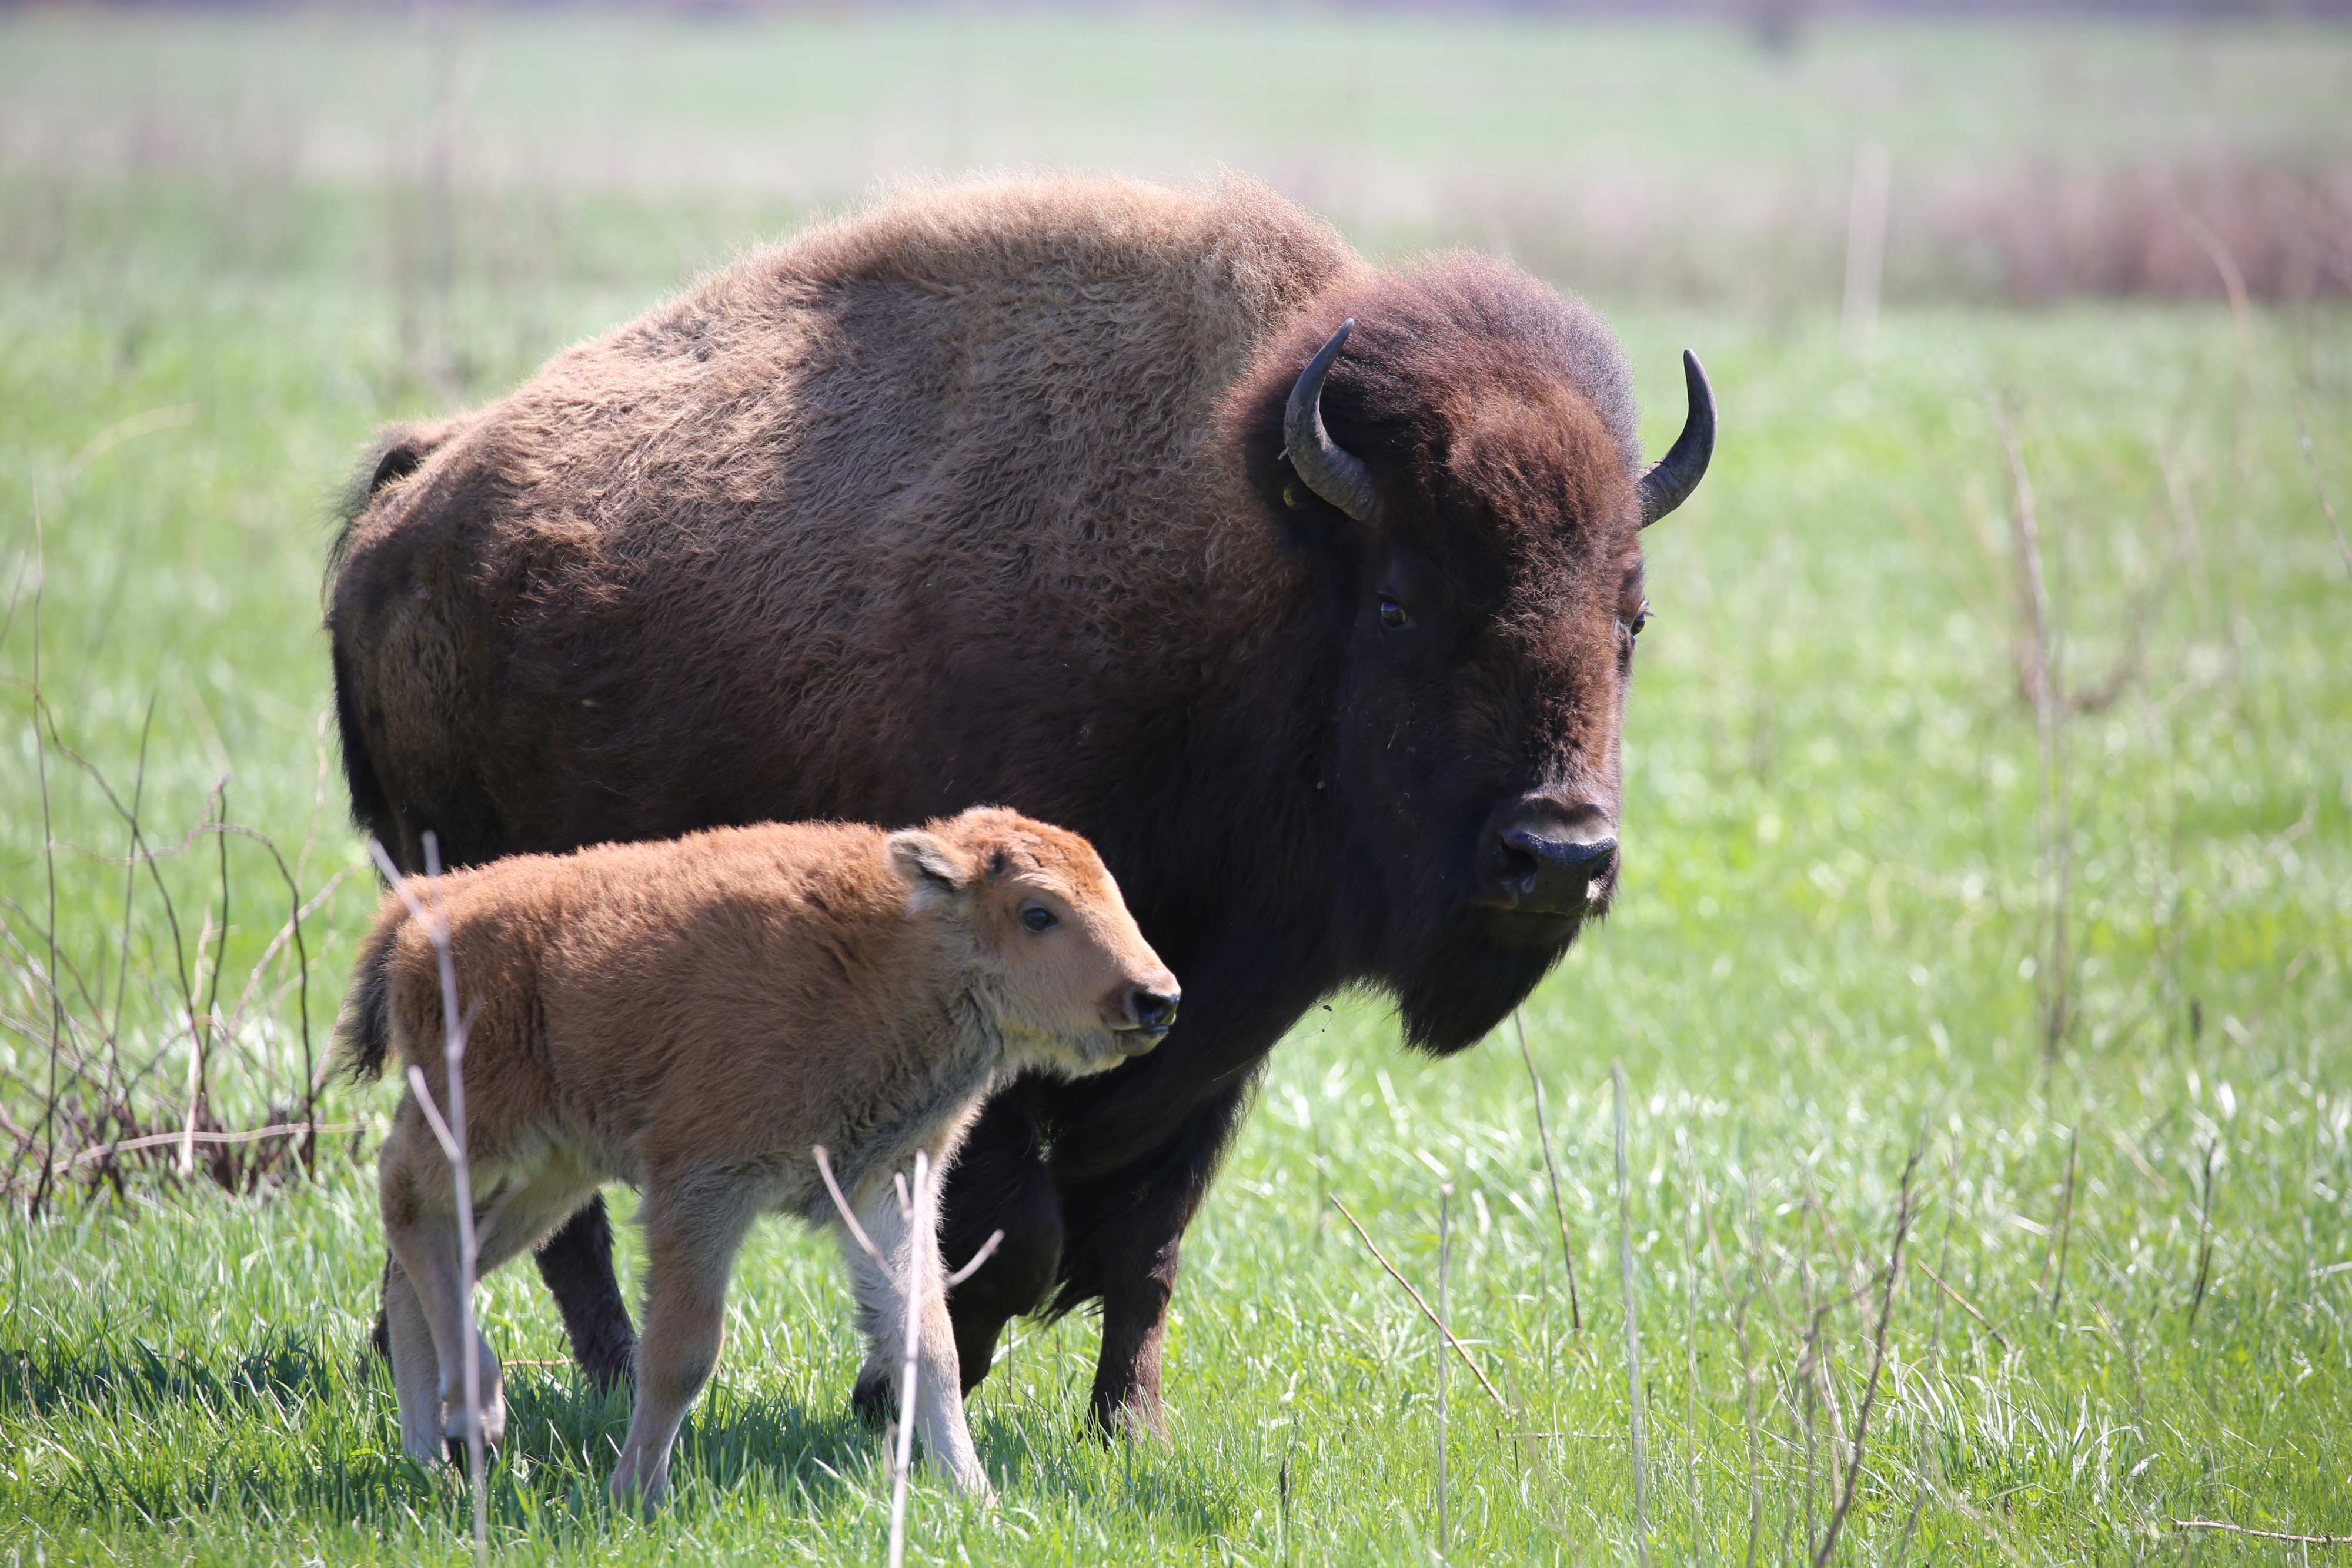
x: 1081, y: 497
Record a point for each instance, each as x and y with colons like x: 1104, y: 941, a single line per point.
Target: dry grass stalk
x: 2204, y: 1235
x: 1967, y: 1306
x: 1634, y: 1424
x: 2040, y: 668
x: 1877, y: 1367
x: 2065, y: 1223
x: 1934, y: 1350
x: 2265, y: 1534
x: 49, y: 867
x: 1551, y: 1173
x: 1459, y: 1348
x: 2319, y: 485
x: 1444, y: 1248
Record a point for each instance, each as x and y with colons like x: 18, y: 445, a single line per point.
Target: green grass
x: 1824, y: 959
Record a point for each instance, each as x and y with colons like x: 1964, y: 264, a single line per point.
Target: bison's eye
x: 1038, y: 918
x: 1392, y: 614
x: 1640, y: 619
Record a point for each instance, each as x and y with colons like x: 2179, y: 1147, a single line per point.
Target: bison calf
x: 691, y: 1018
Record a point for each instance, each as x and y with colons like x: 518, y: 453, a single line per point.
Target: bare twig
x: 1965, y: 1305
x: 2065, y: 1223
x: 305, y: 1130
x: 1690, y: 1351
x: 2047, y: 690
x: 1551, y: 1173
x: 848, y: 1215
x: 1750, y: 1417
x: 1633, y: 1330
x: 129, y: 886
x: 1934, y: 1350
x: 918, y: 1209
x: 451, y: 1135
x: 2265, y: 1535
x: 2204, y: 1235
x: 1459, y: 1349
x: 1444, y: 1241
x: 49, y: 866
x: 1878, y: 1366
x: 200, y: 1065
x: 2311, y: 461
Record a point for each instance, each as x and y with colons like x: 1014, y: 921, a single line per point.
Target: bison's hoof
x: 874, y: 1399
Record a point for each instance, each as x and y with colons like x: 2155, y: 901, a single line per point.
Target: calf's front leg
x: 912, y: 1252
x: 693, y: 1230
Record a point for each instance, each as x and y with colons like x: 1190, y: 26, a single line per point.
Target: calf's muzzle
x: 1146, y: 1013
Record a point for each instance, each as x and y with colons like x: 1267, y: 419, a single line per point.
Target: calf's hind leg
x: 693, y: 1230
x: 420, y: 1224
x: 416, y: 1368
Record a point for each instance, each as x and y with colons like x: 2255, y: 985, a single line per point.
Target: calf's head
x: 1070, y: 978
x: 1453, y: 451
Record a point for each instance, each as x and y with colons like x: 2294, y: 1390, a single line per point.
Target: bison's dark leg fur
x: 577, y: 1264
x: 1125, y: 1229
x: 1000, y: 1182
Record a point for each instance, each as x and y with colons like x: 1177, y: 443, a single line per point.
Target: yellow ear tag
x: 1290, y: 497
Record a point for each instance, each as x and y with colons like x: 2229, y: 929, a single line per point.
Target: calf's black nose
x: 1152, y: 1009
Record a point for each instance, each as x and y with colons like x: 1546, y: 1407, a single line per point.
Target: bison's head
x: 1457, y: 461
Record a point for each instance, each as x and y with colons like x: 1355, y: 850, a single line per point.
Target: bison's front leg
x: 1125, y: 1230
x: 577, y: 1264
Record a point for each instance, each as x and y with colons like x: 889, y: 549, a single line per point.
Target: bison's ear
x: 935, y: 869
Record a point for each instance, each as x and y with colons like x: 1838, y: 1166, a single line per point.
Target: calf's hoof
x: 636, y: 1493
x: 453, y: 1428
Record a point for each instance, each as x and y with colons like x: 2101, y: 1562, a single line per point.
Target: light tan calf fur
x: 692, y: 1018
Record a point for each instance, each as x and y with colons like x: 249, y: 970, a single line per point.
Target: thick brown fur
x: 978, y: 494
x: 694, y: 1018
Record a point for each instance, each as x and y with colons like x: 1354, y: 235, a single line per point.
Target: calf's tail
x: 364, y: 1034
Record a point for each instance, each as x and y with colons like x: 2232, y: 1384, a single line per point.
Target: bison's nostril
x: 1152, y: 1009
x: 1517, y: 870
x: 1543, y: 860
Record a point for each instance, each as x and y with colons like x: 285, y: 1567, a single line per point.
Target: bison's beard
x: 1472, y: 976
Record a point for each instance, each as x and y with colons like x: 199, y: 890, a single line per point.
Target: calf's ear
x: 934, y: 869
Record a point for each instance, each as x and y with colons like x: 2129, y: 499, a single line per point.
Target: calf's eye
x: 1640, y: 619
x: 1392, y: 614
x: 1038, y: 918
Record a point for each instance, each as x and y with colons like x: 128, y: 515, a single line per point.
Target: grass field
x: 2125, y: 1288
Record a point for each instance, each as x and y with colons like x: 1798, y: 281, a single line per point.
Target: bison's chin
x: 1473, y: 976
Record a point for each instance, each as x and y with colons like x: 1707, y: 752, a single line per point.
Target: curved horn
x: 1328, y: 468
x: 1669, y: 483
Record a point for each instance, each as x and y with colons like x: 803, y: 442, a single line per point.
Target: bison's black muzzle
x: 1542, y: 857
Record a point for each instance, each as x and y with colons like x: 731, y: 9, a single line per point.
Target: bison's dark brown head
x: 1454, y: 451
